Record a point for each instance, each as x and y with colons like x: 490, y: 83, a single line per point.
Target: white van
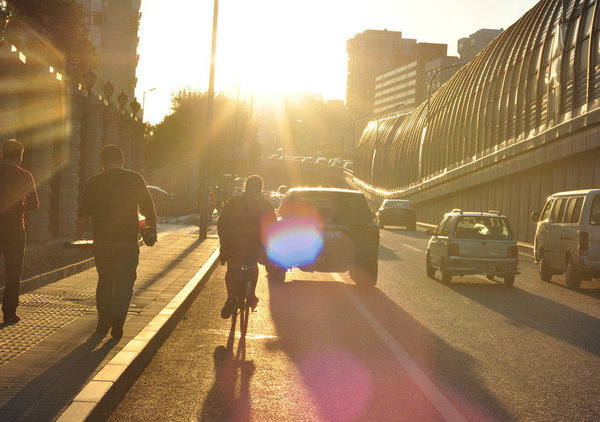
x: 567, y: 238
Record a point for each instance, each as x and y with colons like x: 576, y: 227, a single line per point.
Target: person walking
x: 18, y: 196
x: 112, y: 199
x: 241, y: 227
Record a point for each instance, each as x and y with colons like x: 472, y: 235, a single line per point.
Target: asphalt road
x: 320, y: 349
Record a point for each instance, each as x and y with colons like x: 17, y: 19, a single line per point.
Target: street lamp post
x: 144, y: 101
x: 427, y: 115
x: 206, y: 156
x: 432, y: 77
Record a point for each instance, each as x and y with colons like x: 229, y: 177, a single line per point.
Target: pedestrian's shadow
x: 62, y: 381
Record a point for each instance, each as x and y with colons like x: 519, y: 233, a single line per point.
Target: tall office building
x: 472, y: 45
x: 371, y: 53
x: 403, y: 88
x: 113, y: 27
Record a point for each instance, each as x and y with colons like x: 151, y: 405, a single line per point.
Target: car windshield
x: 482, y: 227
x: 333, y: 207
x: 396, y: 204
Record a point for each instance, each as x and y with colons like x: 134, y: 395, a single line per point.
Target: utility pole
x: 209, y: 132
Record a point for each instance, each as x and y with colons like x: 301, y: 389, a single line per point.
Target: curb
x: 100, y: 396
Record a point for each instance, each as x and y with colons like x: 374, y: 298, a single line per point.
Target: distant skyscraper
x: 371, y: 53
x: 113, y: 27
x: 405, y: 87
x: 472, y: 45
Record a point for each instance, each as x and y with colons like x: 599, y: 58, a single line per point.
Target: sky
x: 277, y: 47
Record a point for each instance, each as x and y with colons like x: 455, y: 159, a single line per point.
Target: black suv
x: 335, y: 225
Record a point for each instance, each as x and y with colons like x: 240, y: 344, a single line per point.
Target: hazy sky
x: 274, y: 46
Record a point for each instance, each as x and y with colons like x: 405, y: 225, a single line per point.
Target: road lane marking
x: 435, y: 396
x: 412, y: 247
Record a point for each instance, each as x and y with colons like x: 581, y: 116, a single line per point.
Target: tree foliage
x: 182, y: 134
x: 55, y: 31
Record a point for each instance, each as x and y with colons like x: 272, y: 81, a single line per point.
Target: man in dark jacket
x: 112, y: 199
x: 242, y: 226
x: 17, y: 197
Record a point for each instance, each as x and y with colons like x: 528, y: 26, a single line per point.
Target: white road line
x: 435, y: 396
x: 412, y: 247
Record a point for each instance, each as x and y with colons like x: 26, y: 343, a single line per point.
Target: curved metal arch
x: 499, y: 98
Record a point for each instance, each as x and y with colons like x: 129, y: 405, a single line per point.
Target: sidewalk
x: 54, y: 352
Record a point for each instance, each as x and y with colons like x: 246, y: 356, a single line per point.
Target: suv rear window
x: 482, y: 227
x: 333, y: 207
x: 397, y: 204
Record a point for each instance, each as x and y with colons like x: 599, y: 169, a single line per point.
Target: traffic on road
x: 413, y: 347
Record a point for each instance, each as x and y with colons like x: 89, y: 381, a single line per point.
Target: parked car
x: 283, y: 189
x: 396, y: 212
x: 337, y: 163
x: 321, y: 160
x: 308, y: 159
x: 345, y: 236
x: 159, y: 194
x: 567, y: 237
x: 275, y: 199
x: 473, y: 243
x: 349, y: 166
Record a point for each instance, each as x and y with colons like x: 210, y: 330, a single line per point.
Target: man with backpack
x: 242, y: 226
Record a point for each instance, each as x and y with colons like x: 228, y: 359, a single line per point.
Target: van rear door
x: 592, y: 218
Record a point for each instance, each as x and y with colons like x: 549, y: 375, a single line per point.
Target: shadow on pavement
x: 221, y: 403
x: 349, y: 370
x: 387, y: 254
x: 144, y: 283
x: 536, y: 312
x: 54, y: 389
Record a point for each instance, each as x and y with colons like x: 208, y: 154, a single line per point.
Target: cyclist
x: 241, y: 227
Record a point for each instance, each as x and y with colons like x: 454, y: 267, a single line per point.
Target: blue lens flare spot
x: 295, y: 242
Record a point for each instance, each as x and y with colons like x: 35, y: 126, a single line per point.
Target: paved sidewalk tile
x: 54, y: 351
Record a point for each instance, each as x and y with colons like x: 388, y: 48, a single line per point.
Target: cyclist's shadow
x: 221, y: 402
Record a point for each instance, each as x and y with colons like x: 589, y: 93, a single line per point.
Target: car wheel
x: 509, y: 280
x: 365, y: 275
x: 428, y: 267
x: 446, y: 274
x: 545, y: 273
x: 275, y: 274
x: 490, y: 277
x: 572, y: 275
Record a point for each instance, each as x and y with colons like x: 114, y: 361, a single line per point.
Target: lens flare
x: 295, y: 241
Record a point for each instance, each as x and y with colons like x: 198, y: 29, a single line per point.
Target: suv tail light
x: 513, y: 252
x: 583, y: 243
x: 453, y: 249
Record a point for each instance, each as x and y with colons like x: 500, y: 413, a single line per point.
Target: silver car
x: 473, y: 243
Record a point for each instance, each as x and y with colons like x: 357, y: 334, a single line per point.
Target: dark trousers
x: 116, y: 263
x: 12, y: 249
x: 233, y: 266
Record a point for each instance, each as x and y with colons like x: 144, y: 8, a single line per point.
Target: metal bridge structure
x: 517, y: 123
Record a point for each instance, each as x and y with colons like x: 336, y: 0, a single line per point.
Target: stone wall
x: 63, y: 124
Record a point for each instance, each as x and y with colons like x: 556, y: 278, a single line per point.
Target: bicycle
x: 244, y: 295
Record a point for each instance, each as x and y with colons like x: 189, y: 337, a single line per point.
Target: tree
x: 182, y: 134
x: 54, y: 31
